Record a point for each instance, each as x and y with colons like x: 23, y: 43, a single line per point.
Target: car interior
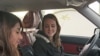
x: 79, y: 20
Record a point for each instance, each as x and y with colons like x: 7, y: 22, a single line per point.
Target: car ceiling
x: 20, y: 5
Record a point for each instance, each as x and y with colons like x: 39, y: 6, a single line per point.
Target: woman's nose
x: 50, y: 28
x: 20, y: 36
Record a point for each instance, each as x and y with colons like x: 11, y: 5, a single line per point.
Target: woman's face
x: 50, y: 27
x: 15, y: 35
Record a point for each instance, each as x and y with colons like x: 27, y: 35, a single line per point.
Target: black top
x: 43, y: 48
x: 26, y: 50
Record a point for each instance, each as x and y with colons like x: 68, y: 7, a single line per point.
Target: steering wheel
x: 90, y: 43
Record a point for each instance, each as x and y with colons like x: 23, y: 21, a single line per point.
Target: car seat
x: 30, y: 23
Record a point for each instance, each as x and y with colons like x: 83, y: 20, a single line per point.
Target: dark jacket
x: 43, y: 47
x: 26, y: 50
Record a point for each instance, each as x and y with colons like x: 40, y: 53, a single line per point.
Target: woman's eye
x: 17, y: 32
x: 53, y: 26
x: 46, y: 26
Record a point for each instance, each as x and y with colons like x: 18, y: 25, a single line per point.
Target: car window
x: 20, y: 14
x: 72, y: 22
x: 95, y: 6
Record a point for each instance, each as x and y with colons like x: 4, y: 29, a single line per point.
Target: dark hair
x: 7, y: 22
x: 56, y: 37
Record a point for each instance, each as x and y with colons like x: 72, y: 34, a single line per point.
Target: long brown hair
x: 56, y: 37
x: 7, y: 22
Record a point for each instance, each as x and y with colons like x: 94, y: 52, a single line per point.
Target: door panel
x: 73, y: 44
x: 72, y: 48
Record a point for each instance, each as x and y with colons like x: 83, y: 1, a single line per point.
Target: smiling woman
x: 48, y: 42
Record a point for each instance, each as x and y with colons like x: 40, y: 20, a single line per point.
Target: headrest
x: 31, y: 19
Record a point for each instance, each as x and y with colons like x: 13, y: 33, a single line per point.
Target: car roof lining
x: 22, y: 5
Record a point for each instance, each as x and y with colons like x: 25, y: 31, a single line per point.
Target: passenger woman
x: 10, y: 34
x: 48, y: 41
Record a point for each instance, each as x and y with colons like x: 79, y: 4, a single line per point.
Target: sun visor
x: 76, y: 3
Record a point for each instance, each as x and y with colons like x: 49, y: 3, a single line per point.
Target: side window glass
x: 95, y: 6
x: 20, y: 14
x: 72, y: 22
